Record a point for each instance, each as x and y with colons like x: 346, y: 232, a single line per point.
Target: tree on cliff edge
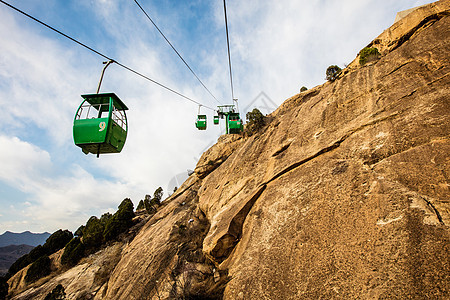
x: 140, y: 206
x: 157, y: 195
x: 333, y: 72
x: 152, y: 204
x: 255, y: 121
x: 93, y: 233
x: 120, y: 221
x: 57, y: 241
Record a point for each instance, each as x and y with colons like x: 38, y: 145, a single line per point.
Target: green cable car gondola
x: 235, y: 123
x: 201, y: 122
x: 216, y: 120
x: 100, y: 125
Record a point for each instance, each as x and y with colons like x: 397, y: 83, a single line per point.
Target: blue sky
x: 47, y: 183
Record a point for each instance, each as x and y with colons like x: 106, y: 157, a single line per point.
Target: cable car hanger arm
x: 107, y: 63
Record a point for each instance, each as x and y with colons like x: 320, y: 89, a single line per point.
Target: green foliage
x: 36, y: 252
x: 333, y: 72
x: 93, y: 233
x: 73, y: 252
x: 38, y: 269
x: 113, y: 229
x: 148, y: 204
x: 79, y: 231
x: 303, y: 88
x: 152, y: 204
x: 126, y: 211
x: 255, y: 121
x: 140, y: 205
x: 57, y: 241
x: 157, y: 195
x: 58, y: 293
x: 3, y: 288
x: 120, y: 221
x: 27, y: 259
x: 368, y: 54
x: 104, y: 219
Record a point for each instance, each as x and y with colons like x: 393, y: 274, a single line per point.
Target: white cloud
x: 54, y: 200
x: 21, y: 162
x: 69, y: 201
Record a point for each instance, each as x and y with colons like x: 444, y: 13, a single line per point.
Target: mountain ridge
x: 26, y: 237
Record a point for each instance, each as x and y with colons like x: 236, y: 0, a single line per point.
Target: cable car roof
x: 104, y: 99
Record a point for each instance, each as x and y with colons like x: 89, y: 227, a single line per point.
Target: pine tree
x: 333, y: 72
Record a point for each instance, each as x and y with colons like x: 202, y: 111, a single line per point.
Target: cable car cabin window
x: 89, y: 111
x: 118, y: 117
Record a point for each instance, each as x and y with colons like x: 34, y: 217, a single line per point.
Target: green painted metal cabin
x: 234, y: 123
x: 201, y: 122
x: 100, y: 125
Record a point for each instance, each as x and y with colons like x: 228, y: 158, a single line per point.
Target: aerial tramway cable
x: 104, y: 56
x: 233, y: 121
x: 228, y: 44
x: 173, y: 48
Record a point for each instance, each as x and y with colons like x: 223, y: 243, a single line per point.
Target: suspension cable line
x: 104, y: 56
x: 173, y: 48
x: 228, y: 44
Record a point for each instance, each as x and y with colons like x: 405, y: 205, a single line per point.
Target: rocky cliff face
x: 343, y: 195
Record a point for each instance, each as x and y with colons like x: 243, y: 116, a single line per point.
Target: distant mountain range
x: 24, y: 238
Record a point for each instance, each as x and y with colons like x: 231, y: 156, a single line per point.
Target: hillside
x: 344, y: 194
